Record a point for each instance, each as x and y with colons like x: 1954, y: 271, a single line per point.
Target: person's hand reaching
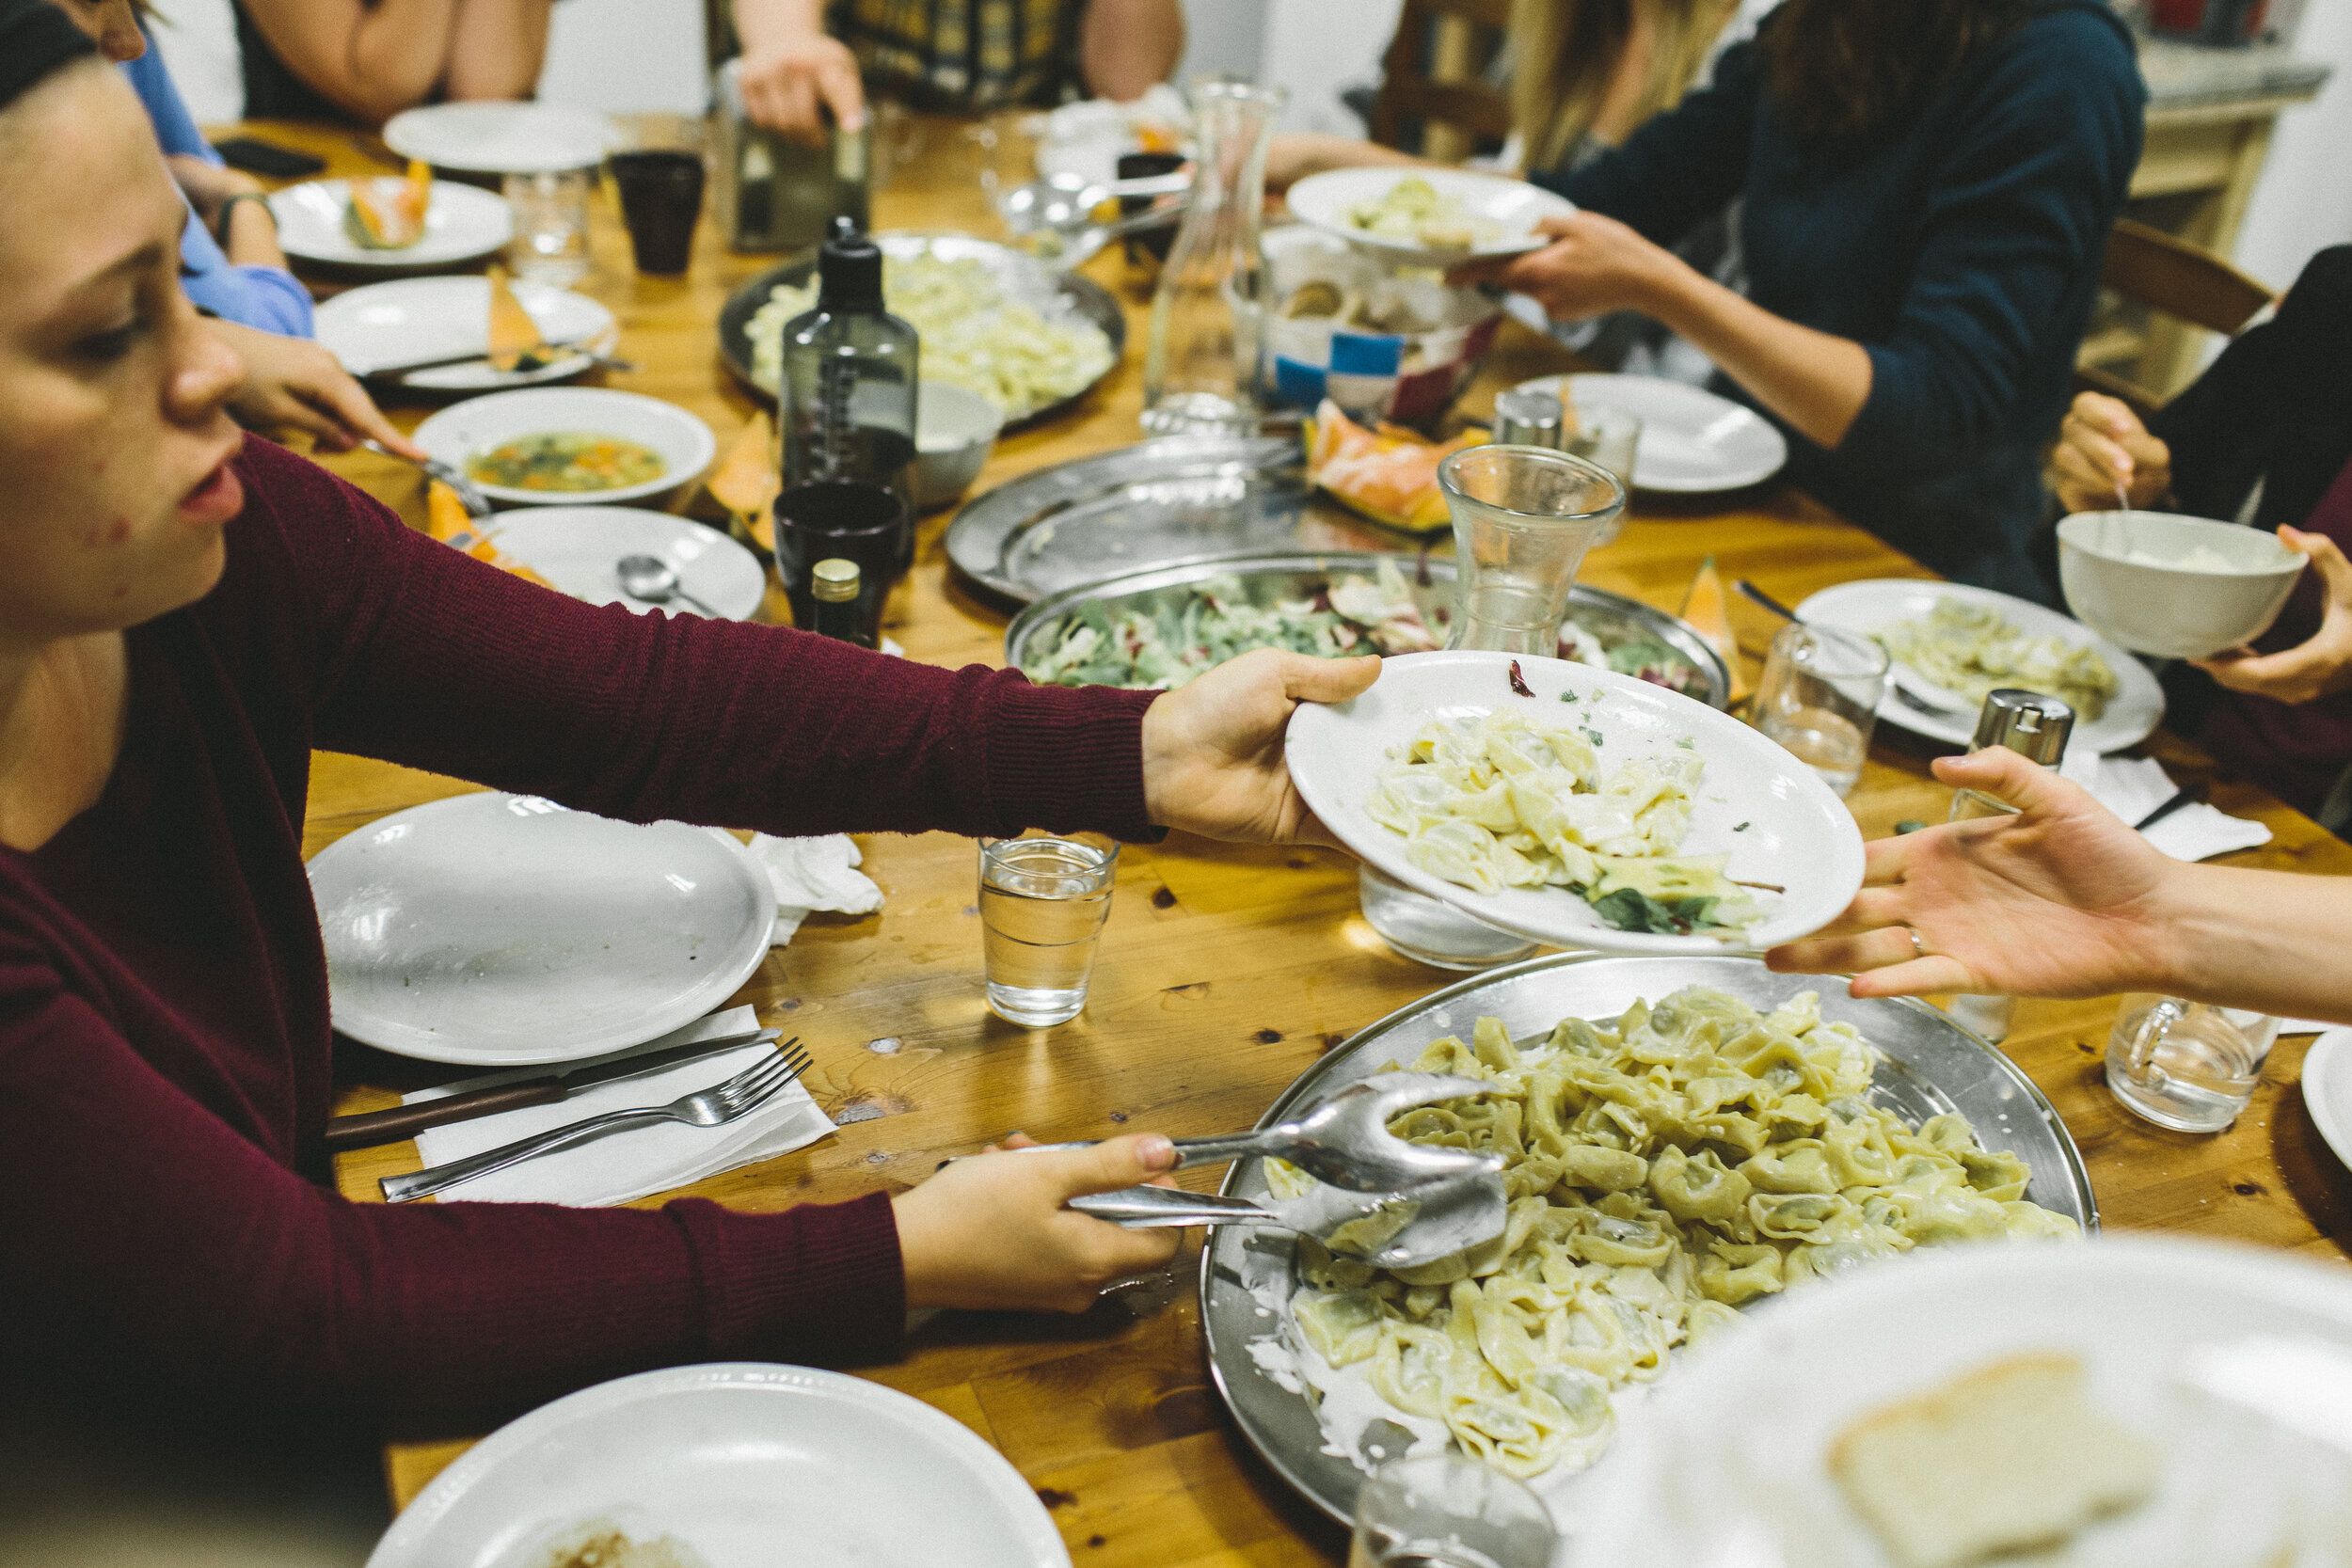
x: 785, y: 86
x: 2319, y: 666
x: 1593, y: 264
x: 992, y: 1232
x: 2063, y: 899
x: 2102, y: 444
x: 1213, y: 758
x: 294, y: 383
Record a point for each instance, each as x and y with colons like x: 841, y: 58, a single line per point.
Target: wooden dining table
x: 1224, y: 971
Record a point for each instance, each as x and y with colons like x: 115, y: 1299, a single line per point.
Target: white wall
x: 2303, y: 202
x: 1315, y: 48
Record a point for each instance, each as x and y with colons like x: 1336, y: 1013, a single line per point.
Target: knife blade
x: 382, y: 1127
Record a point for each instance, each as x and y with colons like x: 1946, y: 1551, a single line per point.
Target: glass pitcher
x: 1523, y: 517
x: 1203, y: 363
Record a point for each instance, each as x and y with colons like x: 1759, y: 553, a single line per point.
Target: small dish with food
x: 563, y: 446
x: 1431, y: 217
x: 2173, y: 586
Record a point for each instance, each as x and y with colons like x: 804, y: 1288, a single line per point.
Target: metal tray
x: 1292, y: 574
x: 1933, y: 1066
x: 1024, y: 276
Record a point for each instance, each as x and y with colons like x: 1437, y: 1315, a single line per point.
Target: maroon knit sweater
x: 164, y: 1039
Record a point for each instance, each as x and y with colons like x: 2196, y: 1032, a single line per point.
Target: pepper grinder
x: 2035, y: 727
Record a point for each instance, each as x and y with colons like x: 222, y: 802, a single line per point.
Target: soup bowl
x: 2173, y: 586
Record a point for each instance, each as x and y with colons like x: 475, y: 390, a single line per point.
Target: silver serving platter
x: 1294, y: 573
x: 1933, y: 1066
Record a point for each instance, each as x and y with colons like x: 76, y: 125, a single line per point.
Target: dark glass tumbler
x: 828, y: 517
x: 661, y: 196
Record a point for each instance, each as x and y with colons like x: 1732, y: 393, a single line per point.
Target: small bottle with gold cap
x: 836, y: 584
x: 2036, y: 728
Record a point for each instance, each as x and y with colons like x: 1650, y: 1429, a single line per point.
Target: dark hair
x: 36, y: 40
x: 1855, y: 72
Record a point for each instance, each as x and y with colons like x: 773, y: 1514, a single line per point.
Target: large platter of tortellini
x: 1682, y: 1137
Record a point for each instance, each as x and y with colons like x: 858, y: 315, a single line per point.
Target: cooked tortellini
x: 1505, y: 801
x: 1663, y: 1168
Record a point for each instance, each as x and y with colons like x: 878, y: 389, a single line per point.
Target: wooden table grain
x: 1224, y: 972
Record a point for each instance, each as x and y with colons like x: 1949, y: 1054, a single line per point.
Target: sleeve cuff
x: 1065, y: 759
x: 819, y: 1283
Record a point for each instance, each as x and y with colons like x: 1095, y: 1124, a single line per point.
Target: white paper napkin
x: 811, y: 873
x: 637, y: 1160
x: 2133, y: 788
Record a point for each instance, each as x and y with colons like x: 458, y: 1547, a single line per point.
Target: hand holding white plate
x: 1769, y: 812
x: 1499, y: 214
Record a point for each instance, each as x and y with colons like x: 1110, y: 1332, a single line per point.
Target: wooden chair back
x: 1429, y: 77
x: 2174, y: 279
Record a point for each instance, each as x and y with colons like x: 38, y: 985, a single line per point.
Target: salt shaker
x: 2035, y: 727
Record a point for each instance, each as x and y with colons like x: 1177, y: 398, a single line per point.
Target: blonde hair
x: 1566, y: 52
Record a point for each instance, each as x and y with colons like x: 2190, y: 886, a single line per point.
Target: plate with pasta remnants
x: 1682, y: 1138
x: 1576, y: 806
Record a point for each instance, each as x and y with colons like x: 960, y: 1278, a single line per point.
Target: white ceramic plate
x: 500, y: 138
x: 1865, y: 607
x: 463, y: 430
x: 2217, y: 1356
x: 505, y: 930
x: 462, y: 224
x: 1799, y: 836
x: 1693, y: 443
x: 2327, y: 1089
x: 743, y: 1462
x: 576, y: 548
x: 419, y: 319
x: 1514, y: 206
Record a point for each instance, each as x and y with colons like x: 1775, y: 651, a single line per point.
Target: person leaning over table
x: 366, y: 60
x: 2272, y: 415
x: 960, y: 56
x: 1925, y: 188
x: 2065, y: 899
x: 185, y: 614
x: 231, y: 265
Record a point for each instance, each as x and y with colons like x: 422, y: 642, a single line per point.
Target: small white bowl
x: 2173, y: 586
x: 954, y: 433
x: 463, y: 430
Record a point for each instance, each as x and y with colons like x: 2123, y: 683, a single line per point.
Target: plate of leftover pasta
x: 1956, y: 643
x: 1683, y: 1138
x: 1429, y: 217
x: 1576, y: 806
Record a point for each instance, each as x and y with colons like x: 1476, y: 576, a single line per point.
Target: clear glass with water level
x: 1205, y: 357
x: 2184, y: 1065
x: 1523, y: 517
x: 1820, y: 699
x: 1042, y: 903
x: 1445, y: 1511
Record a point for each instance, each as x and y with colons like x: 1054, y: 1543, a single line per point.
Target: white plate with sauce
x: 740, y: 1462
x: 461, y: 224
x: 466, y: 431
x: 579, y: 550
x: 415, y: 320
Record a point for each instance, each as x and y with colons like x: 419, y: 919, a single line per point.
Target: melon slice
x: 389, y: 214
x: 1389, y: 475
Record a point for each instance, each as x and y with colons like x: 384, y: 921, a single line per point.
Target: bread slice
x: 2008, y: 1458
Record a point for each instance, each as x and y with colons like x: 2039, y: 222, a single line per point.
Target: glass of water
x: 2183, y: 1065
x: 1820, y: 699
x: 1444, y: 1510
x: 1042, y: 903
x: 551, y: 243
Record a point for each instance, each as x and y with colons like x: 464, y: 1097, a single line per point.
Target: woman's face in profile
x: 114, y: 488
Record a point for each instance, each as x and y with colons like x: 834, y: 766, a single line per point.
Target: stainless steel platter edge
x: 1932, y: 1064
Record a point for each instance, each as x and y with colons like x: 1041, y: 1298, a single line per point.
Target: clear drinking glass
x: 551, y: 243
x: 2184, y: 1065
x: 1820, y: 699
x: 1444, y: 1511
x: 1042, y: 903
x: 1608, y: 437
x: 1205, y: 359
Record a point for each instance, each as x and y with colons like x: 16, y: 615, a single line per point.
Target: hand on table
x: 2102, y: 442
x: 2321, y: 665
x: 291, y: 383
x: 2063, y: 899
x: 1213, y: 747
x: 992, y: 1232
x: 784, y: 86
x: 1594, y: 265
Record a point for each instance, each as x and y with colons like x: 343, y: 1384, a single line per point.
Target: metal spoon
x: 1067, y: 201
x: 1438, y: 1222
x: 651, y: 579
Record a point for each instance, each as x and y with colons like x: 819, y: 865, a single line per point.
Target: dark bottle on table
x: 848, y: 406
x: 833, y: 586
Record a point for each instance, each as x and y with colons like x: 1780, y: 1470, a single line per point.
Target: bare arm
x: 1126, y: 46
x: 497, y: 48
x: 791, y: 67
x: 377, y: 61
x: 1295, y: 154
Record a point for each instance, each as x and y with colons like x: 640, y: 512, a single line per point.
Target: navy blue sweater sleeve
x: 2044, y: 141
x: 1681, y: 166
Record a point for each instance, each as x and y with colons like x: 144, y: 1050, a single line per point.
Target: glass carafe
x: 1523, y: 517
x: 1203, y: 363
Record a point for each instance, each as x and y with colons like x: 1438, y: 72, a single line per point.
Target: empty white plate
x: 462, y: 224
x: 578, y: 549
x: 500, y: 138
x: 1777, y: 820
x: 505, y: 930
x: 1693, y: 443
x: 421, y: 319
x: 467, y: 430
x: 1512, y: 207
x: 2327, y: 1089
x: 1866, y: 606
x: 743, y: 1463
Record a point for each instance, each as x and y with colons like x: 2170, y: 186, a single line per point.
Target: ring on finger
x: 1919, y: 944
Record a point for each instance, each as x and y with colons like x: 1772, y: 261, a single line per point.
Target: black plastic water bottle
x: 849, y: 378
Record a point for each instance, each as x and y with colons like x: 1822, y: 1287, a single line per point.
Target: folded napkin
x: 2133, y: 788
x: 640, y: 1160
x: 811, y: 873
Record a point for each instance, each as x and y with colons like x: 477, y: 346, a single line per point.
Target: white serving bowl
x: 465, y: 429
x: 954, y: 433
x: 2173, y: 586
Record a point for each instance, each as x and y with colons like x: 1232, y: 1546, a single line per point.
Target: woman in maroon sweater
x: 183, y: 616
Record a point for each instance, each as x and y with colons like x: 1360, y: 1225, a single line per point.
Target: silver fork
x: 711, y: 1108
x: 476, y: 503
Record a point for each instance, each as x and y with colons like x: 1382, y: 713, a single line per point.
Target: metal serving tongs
x: 1391, y: 1230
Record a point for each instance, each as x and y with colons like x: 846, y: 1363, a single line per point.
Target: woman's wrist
x: 247, y: 229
